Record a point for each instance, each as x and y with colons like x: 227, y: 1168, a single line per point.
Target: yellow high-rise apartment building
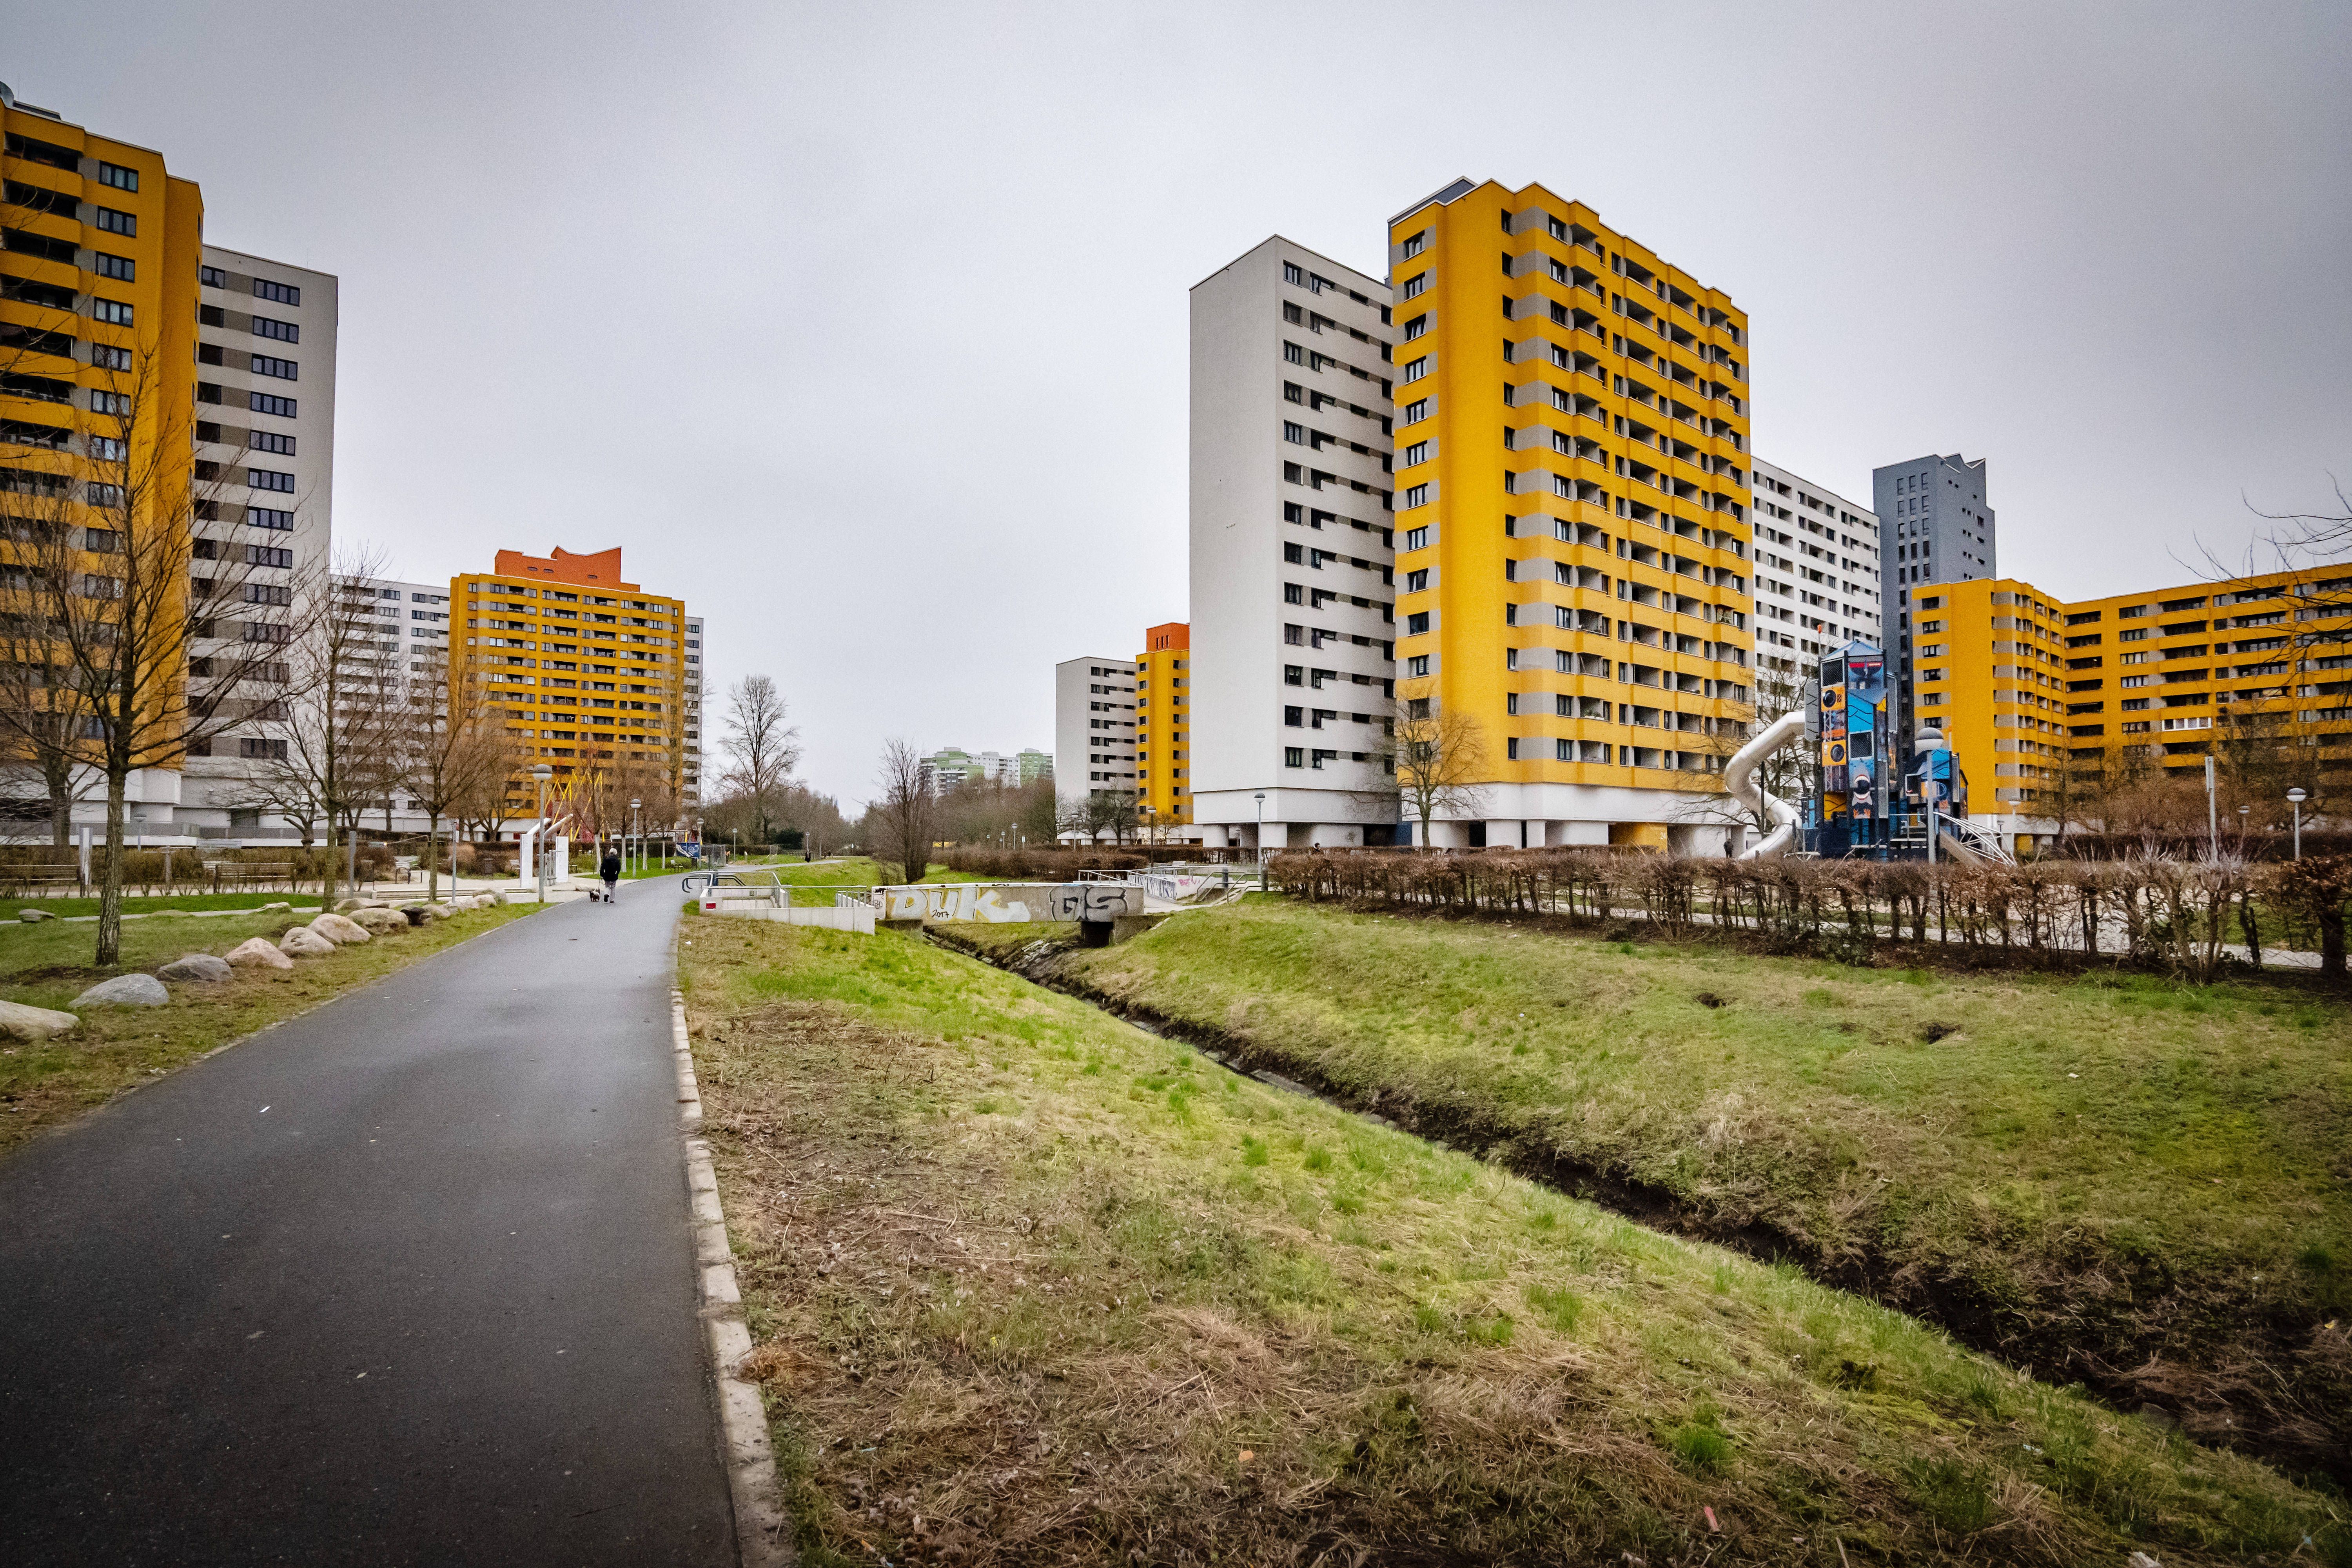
x: 1163, y: 724
x: 2050, y: 705
x: 1571, y: 521
x: 591, y: 673
x: 1989, y: 662
x: 98, y: 252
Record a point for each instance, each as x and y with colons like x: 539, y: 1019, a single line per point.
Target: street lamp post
x: 2295, y: 798
x: 638, y: 823
x: 541, y: 774
x: 1261, y: 840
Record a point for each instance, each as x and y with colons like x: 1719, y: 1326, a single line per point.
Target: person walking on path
x: 610, y: 869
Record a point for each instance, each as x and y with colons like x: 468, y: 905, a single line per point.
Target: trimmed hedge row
x: 2159, y: 909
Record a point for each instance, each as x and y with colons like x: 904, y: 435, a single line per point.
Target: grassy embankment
x: 2119, y: 1179
x: 1028, y: 1284
x: 54, y: 1080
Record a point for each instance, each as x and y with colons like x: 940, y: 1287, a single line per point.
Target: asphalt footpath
x: 408, y: 1279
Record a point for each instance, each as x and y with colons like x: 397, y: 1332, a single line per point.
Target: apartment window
x: 1416, y: 453
x: 1416, y: 244
x: 1292, y: 594
x: 1294, y: 674
x: 252, y: 746
x: 1417, y: 581
x: 1294, y: 756
x: 1416, y: 411
x: 283, y: 369
x: 1293, y: 354
x: 1294, y: 434
x: 121, y: 178
x: 264, y: 402
x: 1292, y: 273
x: 269, y: 480
x: 1414, y: 495
x: 1417, y: 624
x: 1417, y: 537
x: 108, y: 449
x: 114, y: 221
x: 271, y: 441
x: 113, y: 313
x: 119, y: 268
x: 1415, y: 284
x: 268, y: 555
x: 1417, y: 667
x: 1293, y: 718
x: 281, y: 294
x: 212, y: 277
x: 105, y: 358
x: 1416, y: 327
x: 268, y: 594
x: 284, y: 331
x: 1293, y: 634
x: 270, y: 518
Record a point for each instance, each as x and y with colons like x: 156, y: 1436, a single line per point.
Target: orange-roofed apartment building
x: 1163, y: 729
x: 595, y: 678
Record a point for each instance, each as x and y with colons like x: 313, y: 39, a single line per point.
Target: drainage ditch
x: 2243, y: 1399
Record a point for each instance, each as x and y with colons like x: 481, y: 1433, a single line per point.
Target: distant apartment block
x: 950, y: 767
x: 1292, y: 591
x: 1163, y: 729
x: 1094, y: 727
x: 588, y: 672
x: 691, y: 780
x: 1934, y: 527
x: 1816, y: 575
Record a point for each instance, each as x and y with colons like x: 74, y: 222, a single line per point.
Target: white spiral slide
x: 1739, y: 779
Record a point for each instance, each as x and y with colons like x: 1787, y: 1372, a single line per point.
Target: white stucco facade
x: 1291, y: 552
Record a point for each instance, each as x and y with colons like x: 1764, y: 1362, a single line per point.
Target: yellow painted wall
x: 161, y: 295
x: 2033, y: 684
x: 2255, y: 645
x: 1482, y: 276
x: 512, y: 639
x: 1989, y: 663
x: 1163, y: 725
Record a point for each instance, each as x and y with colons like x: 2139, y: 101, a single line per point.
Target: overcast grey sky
x: 862, y: 328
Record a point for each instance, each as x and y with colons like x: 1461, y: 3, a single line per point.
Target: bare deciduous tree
x: 763, y: 749
x: 1437, y: 754
x: 453, y: 750
x: 899, y: 822
x: 340, y: 747
x: 125, y: 581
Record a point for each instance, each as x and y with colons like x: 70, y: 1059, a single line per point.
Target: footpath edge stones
x: 762, y: 1533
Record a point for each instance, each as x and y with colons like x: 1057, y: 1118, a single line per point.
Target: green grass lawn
x: 65, y: 908
x: 2144, y: 1184
x: 117, y: 1049
x: 1027, y: 1284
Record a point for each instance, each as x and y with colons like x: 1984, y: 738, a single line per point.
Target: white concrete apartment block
x: 1817, y: 577
x: 1292, y: 554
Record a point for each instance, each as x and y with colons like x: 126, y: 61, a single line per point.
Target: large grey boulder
x: 20, y: 1021
x: 200, y: 967
x: 273, y: 908
x: 378, y: 920
x: 34, y: 917
x: 340, y: 929
x: 258, y: 953
x: 125, y: 991
x: 302, y: 941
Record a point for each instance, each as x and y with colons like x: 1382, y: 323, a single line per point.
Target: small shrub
x: 1253, y: 1151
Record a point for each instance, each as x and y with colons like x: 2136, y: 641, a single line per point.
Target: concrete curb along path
x: 761, y: 1532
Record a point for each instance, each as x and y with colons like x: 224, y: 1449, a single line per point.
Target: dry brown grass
x: 1030, y: 1286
